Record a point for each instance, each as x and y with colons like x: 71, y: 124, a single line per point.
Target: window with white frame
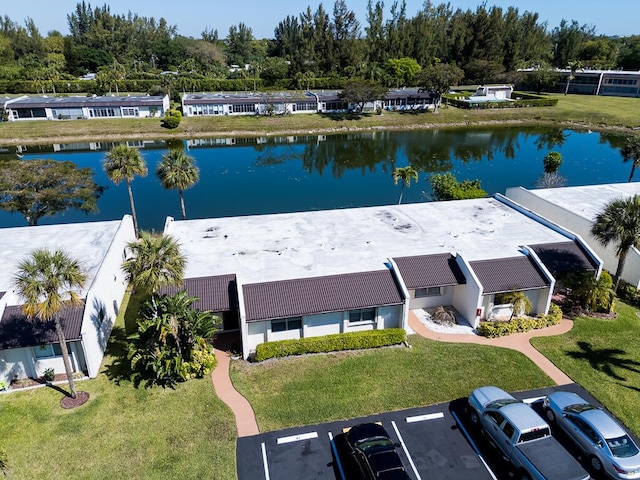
x: 428, y: 292
x: 284, y: 324
x: 130, y: 112
x: 48, y: 351
x: 363, y: 315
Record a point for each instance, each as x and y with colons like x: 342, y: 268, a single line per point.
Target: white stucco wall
x: 390, y: 316
x: 324, y: 324
x: 256, y: 334
x: 434, y: 301
x: 16, y: 363
x: 467, y: 297
x: 104, y: 298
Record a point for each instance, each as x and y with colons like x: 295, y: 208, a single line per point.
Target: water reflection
x: 268, y: 174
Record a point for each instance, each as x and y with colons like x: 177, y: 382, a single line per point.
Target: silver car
x: 609, y: 447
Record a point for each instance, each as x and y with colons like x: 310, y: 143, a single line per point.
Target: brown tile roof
x: 564, y: 257
x: 16, y: 330
x: 215, y: 293
x: 307, y: 296
x: 509, y: 274
x: 422, y: 271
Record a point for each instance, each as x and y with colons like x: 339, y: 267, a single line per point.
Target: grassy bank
x: 319, y: 388
x: 573, y: 110
x: 604, y: 357
x: 122, y: 432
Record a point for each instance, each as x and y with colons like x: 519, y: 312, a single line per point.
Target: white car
x: 609, y: 447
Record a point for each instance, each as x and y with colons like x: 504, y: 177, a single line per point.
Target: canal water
x: 246, y: 176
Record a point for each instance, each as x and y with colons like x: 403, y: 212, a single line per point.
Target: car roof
x: 366, y: 430
x: 522, y: 416
x: 602, y: 422
x: 485, y: 395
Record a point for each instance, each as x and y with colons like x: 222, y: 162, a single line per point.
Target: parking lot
x: 435, y: 442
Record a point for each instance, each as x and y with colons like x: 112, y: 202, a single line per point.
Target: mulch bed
x: 68, y: 402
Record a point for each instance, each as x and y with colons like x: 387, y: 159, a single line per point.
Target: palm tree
x: 125, y: 163
x: 631, y: 152
x: 178, y: 171
x: 404, y: 175
x: 573, y: 66
x: 48, y: 281
x: 619, y: 223
x: 520, y: 301
x: 153, y: 262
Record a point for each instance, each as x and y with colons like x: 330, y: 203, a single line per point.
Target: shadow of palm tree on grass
x: 119, y: 369
x: 606, y: 360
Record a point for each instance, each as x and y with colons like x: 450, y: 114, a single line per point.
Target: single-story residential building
x: 576, y: 208
x: 28, y: 346
x: 79, y: 108
x: 617, y: 83
x: 277, y: 103
x: 494, y: 92
x: 335, y: 271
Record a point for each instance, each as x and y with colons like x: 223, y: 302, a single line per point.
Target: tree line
x: 390, y: 47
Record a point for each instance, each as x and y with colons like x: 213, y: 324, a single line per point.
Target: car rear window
x: 622, y: 447
x: 534, y: 434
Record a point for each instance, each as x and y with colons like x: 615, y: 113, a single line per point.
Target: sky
x: 610, y: 17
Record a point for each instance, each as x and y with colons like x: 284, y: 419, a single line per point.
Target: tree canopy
x: 40, y: 188
x: 360, y: 92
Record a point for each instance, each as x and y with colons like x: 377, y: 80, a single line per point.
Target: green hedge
x: 331, y: 343
x: 525, y: 100
x: 521, y: 324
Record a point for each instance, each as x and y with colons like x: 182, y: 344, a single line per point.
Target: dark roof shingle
x: 509, y: 274
x: 423, y: 271
x: 307, y: 296
x: 16, y: 330
x: 216, y: 293
x: 564, y: 257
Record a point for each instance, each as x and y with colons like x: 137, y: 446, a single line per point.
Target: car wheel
x: 550, y: 415
x: 596, y: 464
x: 473, y: 416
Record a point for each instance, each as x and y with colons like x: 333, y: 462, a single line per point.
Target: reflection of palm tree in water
x: 605, y: 360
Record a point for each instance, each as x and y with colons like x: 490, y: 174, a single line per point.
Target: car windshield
x: 371, y: 445
x: 502, y: 402
x: 622, y: 447
x: 579, y: 408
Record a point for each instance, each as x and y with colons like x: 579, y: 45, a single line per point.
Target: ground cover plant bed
x: 318, y: 388
x: 603, y: 355
x: 121, y: 431
x: 587, y: 111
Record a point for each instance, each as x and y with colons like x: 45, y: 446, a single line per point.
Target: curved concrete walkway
x: 517, y: 341
x: 241, y: 408
x: 245, y: 416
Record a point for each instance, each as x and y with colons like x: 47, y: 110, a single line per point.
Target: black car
x: 375, y: 453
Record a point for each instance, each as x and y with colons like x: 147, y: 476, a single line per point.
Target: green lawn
x: 585, y: 111
x: 319, y: 388
x: 604, y: 357
x: 122, y: 432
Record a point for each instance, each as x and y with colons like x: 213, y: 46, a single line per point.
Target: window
x: 495, y: 416
x: 48, y: 351
x: 130, y: 112
x: 508, y: 429
x: 244, y: 108
x: 102, y: 112
x: 428, y: 292
x: 365, y: 315
x: 284, y: 324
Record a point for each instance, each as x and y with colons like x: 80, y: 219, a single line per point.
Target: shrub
x: 552, y: 162
x: 444, y: 316
x: 171, y: 122
x: 446, y: 187
x: 203, y: 360
x: 628, y: 292
x: 331, y: 343
x: 522, y: 324
x: 174, y: 112
x: 49, y: 374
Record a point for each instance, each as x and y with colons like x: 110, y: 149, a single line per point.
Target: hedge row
x: 195, y: 84
x: 524, y: 100
x: 521, y: 324
x: 331, y: 343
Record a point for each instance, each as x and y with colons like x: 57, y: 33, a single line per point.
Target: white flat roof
x: 587, y: 201
x: 86, y: 242
x: 265, y: 248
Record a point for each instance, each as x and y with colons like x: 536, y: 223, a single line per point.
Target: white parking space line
x: 404, y: 447
x: 473, y: 445
x: 422, y: 418
x: 531, y: 400
x: 264, y: 462
x: 297, y: 438
x: 335, y: 454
